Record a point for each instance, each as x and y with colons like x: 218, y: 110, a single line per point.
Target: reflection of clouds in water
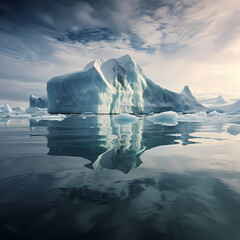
x: 158, y: 206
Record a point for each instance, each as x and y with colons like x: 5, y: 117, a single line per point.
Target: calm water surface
x: 94, y: 179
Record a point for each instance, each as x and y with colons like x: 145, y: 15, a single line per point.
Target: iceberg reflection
x: 110, y: 145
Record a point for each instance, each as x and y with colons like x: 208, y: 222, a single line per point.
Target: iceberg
x: 164, y: 118
x: 40, y: 102
x: 5, y: 110
x: 35, y: 111
x: 114, y: 86
x: 18, y: 110
x: 125, y: 118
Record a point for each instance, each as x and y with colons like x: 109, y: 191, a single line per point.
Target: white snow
x: 125, y: 118
x: 166, y: 118
x: 117, y: 85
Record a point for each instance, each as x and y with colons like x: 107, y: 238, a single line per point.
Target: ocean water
x: 91, y: 178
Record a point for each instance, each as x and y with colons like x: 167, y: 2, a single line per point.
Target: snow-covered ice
x: 117, y: 85
x: 166, y: 118
x: 125, y: 118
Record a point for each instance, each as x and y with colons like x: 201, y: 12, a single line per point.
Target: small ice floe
x: 165, y: 118
x: 125, y: 118
x: 234, y: 129
x: 86, y: 115
x: 50, y: 117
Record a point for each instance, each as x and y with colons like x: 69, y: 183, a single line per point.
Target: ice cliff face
x: 114, y: 86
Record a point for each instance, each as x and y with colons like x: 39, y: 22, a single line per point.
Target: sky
x: 176, y: 42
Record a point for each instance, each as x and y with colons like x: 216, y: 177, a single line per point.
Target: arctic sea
x: 87, y: 177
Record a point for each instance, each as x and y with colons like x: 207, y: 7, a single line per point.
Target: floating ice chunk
x: 36, y: 111
x: 125, y: 118
x: 20, y: 116
x: 50, y: 117
x: 164, y: 118
x: 5, y: 109
x: 234, y: 129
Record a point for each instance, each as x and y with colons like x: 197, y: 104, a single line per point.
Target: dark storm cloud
x: 59, y: 15
x: 24, y: 24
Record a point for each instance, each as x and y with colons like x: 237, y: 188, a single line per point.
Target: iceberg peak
x: 95, y: 63
x: 186, y: 91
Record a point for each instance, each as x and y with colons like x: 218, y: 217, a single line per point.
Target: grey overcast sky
x: 177, y: 42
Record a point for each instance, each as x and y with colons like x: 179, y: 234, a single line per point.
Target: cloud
x: 177, y: 42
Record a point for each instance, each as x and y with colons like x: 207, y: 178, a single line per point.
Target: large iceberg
x: 114, y: 86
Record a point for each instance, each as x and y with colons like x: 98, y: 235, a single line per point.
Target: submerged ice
x: 114, y: 86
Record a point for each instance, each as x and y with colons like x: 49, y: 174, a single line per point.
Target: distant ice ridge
x: 222, y: 104
x: 233, y: 108
x: 217, y: 101
x: 208, y: 117
x: 171, y: 118
x: 117, y: 85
